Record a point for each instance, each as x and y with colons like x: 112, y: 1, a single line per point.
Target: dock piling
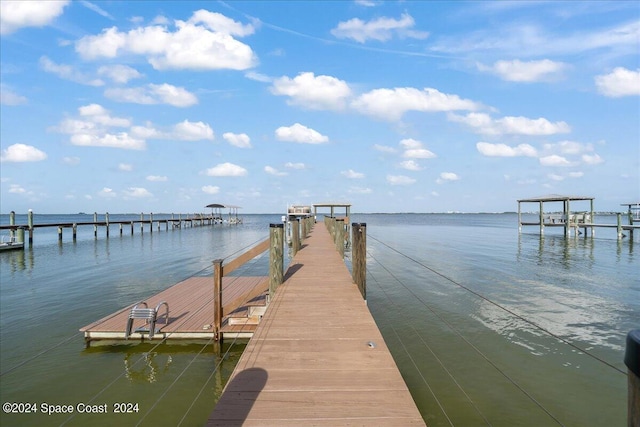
x: 276, y: 260
x: 359, y: 254
x: 30, y: 225
x: 632, y: 360
x: 339, y: 236
x: 295, y: 236
x: 217, y: 297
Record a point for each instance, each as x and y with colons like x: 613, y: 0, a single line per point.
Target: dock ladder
x: 150, y: 315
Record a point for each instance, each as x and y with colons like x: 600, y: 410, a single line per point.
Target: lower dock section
x: 191, y: 312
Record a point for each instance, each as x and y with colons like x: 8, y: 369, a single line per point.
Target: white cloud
x: 555, y: 177
x: 20, y: 14
x: 391, y: 104
x: 204, y: 42
x: 400, y: 180
x: 153, y: 94
x: 592, y: 159
x: 300, y: 134
x: 211, y: 189
x: 71, y: 160
x: 19, y: 153
x: 620, y: 82
x: 226, y: 169
x: 9, y: 97
x: 447, y: 177
x: 157, y: 178
x: 351, y: 174
x: 525, y: 71
x: 482, y: 123
x: 240, y: 140
x: 67, y: 72
x: 137, y: 193
x: 125, y: 167
x: 411, y: 165
x: 263, y: 78
x: 16, y: 189
x: 273, y: 171
x: 381, y: 29
x: 308, y: 91
x: 503, y: 150
x: 193, y: 131
x: 415, y: 150
x: 576, y: 174
x: 107, y: 193
x: 384, y: 148
x: 298, y: 165
x: 99, y: 115
x: 119, y: 73
x: 360, y: 190
x: 120, y: 140
x: 554, y: 160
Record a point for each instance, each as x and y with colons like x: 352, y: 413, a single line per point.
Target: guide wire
x: 24, y: 362
x: 526, y: 393
x: 530, y: 322
x: 423, y: 341
x: 415, y: 365
x: 141, y: 358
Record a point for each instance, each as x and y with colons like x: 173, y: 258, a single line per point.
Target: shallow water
x: 488, y: 326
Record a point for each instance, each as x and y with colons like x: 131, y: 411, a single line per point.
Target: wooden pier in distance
x: 317, y: 357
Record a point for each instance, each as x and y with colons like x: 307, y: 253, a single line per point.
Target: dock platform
x: 191, y: 311
x: 317, y: 357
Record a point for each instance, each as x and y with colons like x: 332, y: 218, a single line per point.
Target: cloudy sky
x: 393, y: 106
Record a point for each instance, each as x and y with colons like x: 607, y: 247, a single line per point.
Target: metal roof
x: 555, y: 198
x: 219, y: 205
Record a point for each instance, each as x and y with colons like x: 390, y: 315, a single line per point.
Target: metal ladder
x: 150, y: 315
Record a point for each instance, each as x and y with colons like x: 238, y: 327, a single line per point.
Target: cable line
x: 533, y: 399
x: 530, y: 322
x: 425, y: 343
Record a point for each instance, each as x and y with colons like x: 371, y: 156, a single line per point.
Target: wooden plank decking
x: 317, y: 357
x: 191, y: 309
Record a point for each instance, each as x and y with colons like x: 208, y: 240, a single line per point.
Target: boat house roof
x: 219, y: 205
x: 555, y: 198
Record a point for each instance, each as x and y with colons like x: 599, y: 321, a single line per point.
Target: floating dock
x: 317, y: 357
x: 191, y: 312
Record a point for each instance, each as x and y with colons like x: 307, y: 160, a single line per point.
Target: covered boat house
x: 565, y: 218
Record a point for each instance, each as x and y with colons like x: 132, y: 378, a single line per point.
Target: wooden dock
x: 191, y: 311
x: 317, y: 357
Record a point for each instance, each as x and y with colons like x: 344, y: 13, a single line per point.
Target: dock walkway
x: 317, y: 357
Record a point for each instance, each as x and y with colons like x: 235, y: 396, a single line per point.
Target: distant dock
x: 575, y: 220
x: 24, y: 233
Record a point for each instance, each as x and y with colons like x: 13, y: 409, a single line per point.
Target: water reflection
x: 151, y: 366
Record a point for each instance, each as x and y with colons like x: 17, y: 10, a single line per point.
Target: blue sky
x: 392, y: 106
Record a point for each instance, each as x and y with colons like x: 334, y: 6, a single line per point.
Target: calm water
x: 479, y: 319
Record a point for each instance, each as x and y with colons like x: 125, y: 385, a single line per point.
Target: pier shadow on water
x: 240, y: 394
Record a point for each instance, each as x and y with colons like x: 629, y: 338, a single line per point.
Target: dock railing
x: 220, y: 270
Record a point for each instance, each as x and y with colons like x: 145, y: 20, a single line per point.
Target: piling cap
x: 632, y: 354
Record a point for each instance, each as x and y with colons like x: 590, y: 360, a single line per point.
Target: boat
x: 10, y: 244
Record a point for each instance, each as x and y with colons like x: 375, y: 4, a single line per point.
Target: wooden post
x: 276, y: 259
x: 30, y: 225
x: 340, y: 236
x: 59, y: 233
x: 75, y: 231
x: 619, y: 227
x: 632, y: 360
x: 95, y: 224
x: 217, y: 299
x: 141, y: 222
x: 295, y: 236
x: 541, y: 217
x: 132, y: 228
x: 106, y: 220
x: 121, y: 229
x: 151, y: 222
x: 12, y: 221
x: 359, y: 253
